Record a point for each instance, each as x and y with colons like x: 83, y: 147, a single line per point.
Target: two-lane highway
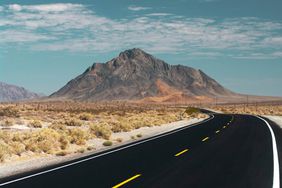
x: 224, y: 151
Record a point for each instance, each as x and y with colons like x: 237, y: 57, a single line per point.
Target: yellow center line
x: 176, y: 155
x: 224, y: 127
x: 205, y: 139
x: 217, y: 131
x: 126, y: 181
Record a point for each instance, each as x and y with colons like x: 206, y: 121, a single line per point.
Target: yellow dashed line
x: 217, y: 131
x: 126, y: 181
x: 176, y: 155
x: 224, y: 127
x: 205, y: 139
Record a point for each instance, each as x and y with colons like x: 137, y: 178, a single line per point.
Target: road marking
x: 276, y: 172
x: 180, y: 153
x: 126, y: 181
x: 106, y: 153
x: 217, y: 131
x: 205, y: 139
x: 224, y: 127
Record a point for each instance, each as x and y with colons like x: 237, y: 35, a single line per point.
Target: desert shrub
x: 191, y: 110
x: 139, y: 135
x: 19, y: 136
x: 73, y: 122
x: 45, y: 140
x: 58, y: 126
x: 122, y: 125
x: 35, y: 124
x: 85, y: 116
x: 5, y: 136
x: 77, y: 136
x: 64, y: 142
x: 101, y: 130
x: 17, y: 148
x: 7, y: 123
x: 9, y: 112
x: 132, y: 137
x: 119, y: 140
x: 90, y: 148
x: 81, y: 150
x: 62, y: 153
x: 4, y: 151
x: 108, y: 143
x: 19, y: 122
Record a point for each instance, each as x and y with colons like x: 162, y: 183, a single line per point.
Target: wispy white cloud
x: 273, y: 40
x: 22, y: 36
x: 75, y: 27
x: 159, y: 14
x: 138, y: 8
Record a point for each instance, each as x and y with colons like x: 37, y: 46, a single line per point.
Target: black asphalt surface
x: 238, y: 156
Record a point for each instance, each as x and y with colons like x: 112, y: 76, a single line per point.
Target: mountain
x: 10, y: 93
x: 137, y: 75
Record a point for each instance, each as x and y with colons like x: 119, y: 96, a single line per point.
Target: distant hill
x: 137, y: 75
x: 10, y: 93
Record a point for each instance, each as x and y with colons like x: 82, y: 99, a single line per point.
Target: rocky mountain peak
x: 135, y: 75
x: 133, y: 54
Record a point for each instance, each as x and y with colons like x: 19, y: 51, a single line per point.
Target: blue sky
x: 44, y: 44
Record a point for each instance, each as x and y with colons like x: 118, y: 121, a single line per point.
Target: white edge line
x: 106, y: 153
x: 276, y: 172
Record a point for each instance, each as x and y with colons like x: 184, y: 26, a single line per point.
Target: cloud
x: 138, y: 8
x: 12, y: 36
x: 277, y: 54
x: 159, y: 14
x: 15, y: 7
x: 77, y: 28
x: 58, y: 7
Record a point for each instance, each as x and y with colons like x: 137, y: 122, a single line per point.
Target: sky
x: 44, y: 44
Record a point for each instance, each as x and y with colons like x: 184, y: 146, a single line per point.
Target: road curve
x: 226, y: 151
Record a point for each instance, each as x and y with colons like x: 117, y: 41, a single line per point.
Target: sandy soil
x: 31, y: 162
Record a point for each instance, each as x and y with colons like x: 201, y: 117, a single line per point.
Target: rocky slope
x: 137, y: 75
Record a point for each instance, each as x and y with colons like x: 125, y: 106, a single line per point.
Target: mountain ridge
x: 12, y: 93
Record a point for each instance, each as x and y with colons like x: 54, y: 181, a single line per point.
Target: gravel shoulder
x: 40, y: 161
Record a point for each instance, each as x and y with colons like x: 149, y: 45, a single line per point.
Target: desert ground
x: 273, y: 108
x: 44, y: 129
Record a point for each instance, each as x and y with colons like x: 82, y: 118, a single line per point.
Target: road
x: 227, y: 151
